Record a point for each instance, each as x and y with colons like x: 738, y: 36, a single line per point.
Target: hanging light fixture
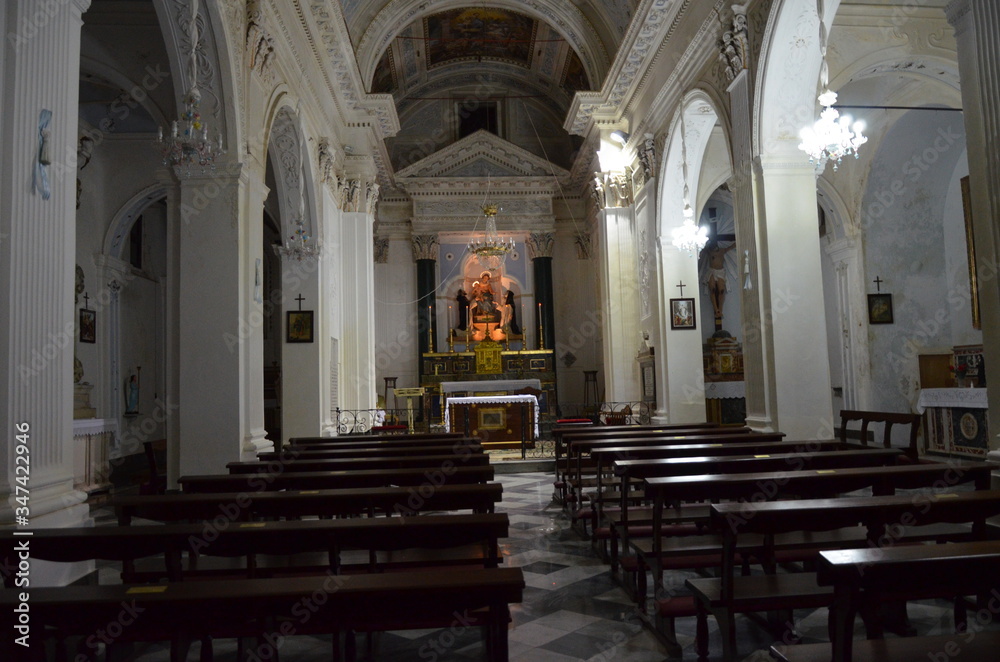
x: 300, y: 245
x: 490, y: 249
x: 688, y: 237
x: 188, y: 143
x: 833, y: 136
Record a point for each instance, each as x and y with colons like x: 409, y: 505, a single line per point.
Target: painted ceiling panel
x: 478, y: 34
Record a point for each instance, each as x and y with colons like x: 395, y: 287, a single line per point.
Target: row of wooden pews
x: 666, y: 501
x: 328, y: 536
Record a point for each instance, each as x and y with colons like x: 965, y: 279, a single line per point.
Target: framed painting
x: 880, y: 308
x: 88, y: 325
x: 299, y: 326
x: 682, y: 315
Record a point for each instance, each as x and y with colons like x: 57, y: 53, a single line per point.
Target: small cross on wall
x: 680, y: 285
x: 878, y: 283
x: 300, y: 299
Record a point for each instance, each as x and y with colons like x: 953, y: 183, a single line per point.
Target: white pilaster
x: 254, y: 436
x: 977, y: 23
x: 37, y: 257
x: 357, y: 278
x: 301, y: 363
x: 217, y: 326
x: 794, y: 320
x: 619, y: 303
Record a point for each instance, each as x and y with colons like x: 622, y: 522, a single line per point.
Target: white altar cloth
x: 489, y: 399
x: 954, y: 398
x: 719, y: 390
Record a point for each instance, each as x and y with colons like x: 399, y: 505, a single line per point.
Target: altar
x: 494, y: 418
x: 955, y: 420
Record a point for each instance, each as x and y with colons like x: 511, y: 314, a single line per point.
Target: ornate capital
x: 647, y: 156
x: 259, y: 43
x: 425, y: 247
x: 734, y: 46
x: 612, y: 189
x: 381, y: 250
x: 371, y: 197
x: 584, y: 245
x: 351, y: 195
x: 540, y: 244
x: 327, y: 158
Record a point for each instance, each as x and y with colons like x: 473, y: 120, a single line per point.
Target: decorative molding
x: 482, y: 146
x: 326, y: 159
x: 259, y: 42
x: 540, y: 244
x: 735, y: 45
x: 612, y: 189
x: 645, y: 275
x: 351, y: 193
x: 647, y: 156
x: 584, y: 245
x: 381, y: 250
x: 425, y: 247
x: 371, y: 197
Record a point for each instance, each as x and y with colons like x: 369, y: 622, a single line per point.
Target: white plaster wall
x: 907, y: 243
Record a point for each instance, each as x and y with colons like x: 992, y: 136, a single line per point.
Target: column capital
x: 540, y: 244
x: 612, y: 189
x: 956, y: 12
x: 425, y: 246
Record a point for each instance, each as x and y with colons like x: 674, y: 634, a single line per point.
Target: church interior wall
x: 577, y: 315
x: 396, y: 329
x: 905, y: 226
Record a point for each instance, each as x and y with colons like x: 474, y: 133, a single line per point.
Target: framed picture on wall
x: 682, y: 315
x: 880, y: 308
x: 88, y: 326
x: 299, y: 326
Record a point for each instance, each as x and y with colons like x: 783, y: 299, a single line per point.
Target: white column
x: 619, y: 303
x: 977, y: 23
x: 358, y: 388
x: 302, y: 363
x: 254, y: 436
x: 794, y: 321
x: 37, y: 258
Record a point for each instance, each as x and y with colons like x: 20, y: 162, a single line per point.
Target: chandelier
x: 188, y: 143
x: 833, y: 136
x: 490, y: 248
x: 688, y: 237
x: 300, y: 244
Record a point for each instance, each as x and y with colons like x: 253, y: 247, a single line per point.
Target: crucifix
x: 681, y: 287
x: 86, y: 301
x: 300, y: 299
x: 878, y: 283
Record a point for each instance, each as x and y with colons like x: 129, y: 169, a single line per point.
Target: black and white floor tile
x: 573, y: 610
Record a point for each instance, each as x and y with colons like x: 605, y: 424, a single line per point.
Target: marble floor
x: 572, y: 610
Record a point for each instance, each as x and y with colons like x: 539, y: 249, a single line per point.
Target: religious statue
x: 715, y: 276
x: 132, y: 394
x: 463, y: 309
x: 508, y: 316
x: 484, y: 296
x: 327, y: 158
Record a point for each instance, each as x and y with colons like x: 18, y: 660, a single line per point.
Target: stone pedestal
x: 81, y: 401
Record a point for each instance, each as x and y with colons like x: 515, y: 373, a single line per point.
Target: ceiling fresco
x: 477, y: 34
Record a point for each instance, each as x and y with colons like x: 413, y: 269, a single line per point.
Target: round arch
x: 564, y: 18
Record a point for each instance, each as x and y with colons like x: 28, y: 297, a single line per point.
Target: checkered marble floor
x: 572, y: 610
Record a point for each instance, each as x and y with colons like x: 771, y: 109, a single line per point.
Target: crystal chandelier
x: 688, y: 237
x: 490, y: 248
x: 300, y: 245
x: 188, y: 143
x: 833, y: 136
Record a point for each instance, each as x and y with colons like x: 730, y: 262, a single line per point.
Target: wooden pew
x: 705, y: 552
x: 889, y: 419
x: 576, y: 449
x: 390, y: 601
x: 395, y: 451
x: 625, y: 516
x: 252, y: 539
x: 385, y: 442
x: 296, y: 504
x: 413, y: 436
x: 859, y: 576
x: 781, y: 524
x: 325, y: 480
x: 290, y: 462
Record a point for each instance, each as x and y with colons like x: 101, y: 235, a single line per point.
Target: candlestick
x: 430, y: 332
x: 468, y: 326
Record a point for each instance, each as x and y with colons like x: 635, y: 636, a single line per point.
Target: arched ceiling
x: 487, y: 42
